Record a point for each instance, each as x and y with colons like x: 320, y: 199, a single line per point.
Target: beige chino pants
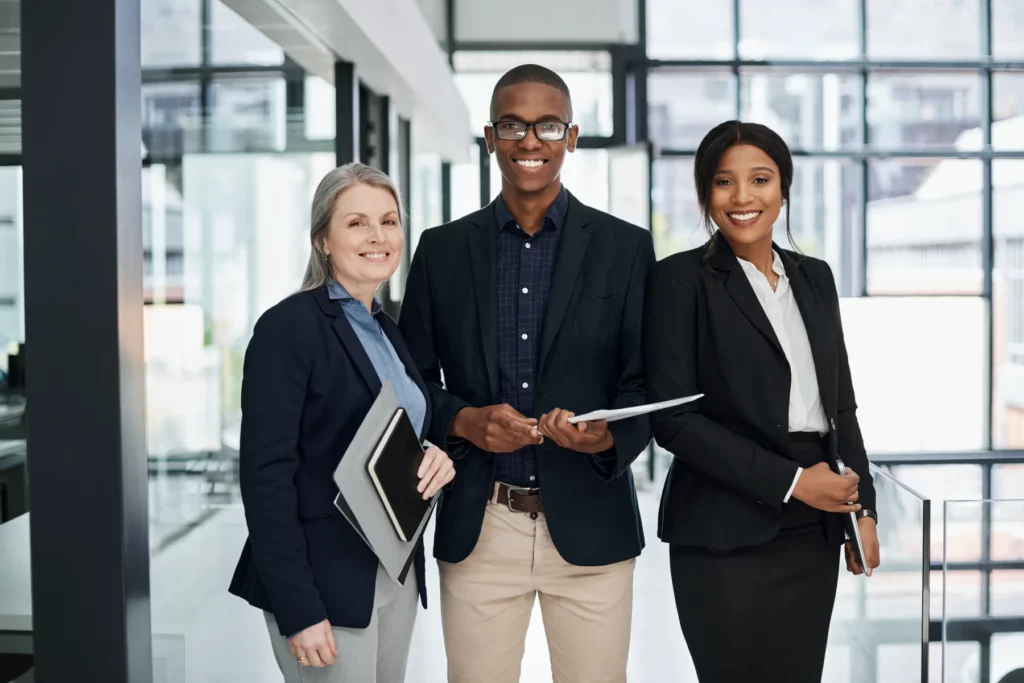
x: 487, y: 601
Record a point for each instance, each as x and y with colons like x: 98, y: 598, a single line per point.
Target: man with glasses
x: 519, y: 316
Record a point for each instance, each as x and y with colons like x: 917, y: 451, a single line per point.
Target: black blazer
x: 589, y: 359
x: 705, y: 332
x: 308, y: 383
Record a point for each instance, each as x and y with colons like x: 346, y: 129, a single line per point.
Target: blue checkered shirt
x: 525, y: 266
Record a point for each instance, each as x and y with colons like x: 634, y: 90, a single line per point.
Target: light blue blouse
x: 383, y: 356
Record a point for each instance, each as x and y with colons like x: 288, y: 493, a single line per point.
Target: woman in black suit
x: 315, y: 364
x: 750, y: 503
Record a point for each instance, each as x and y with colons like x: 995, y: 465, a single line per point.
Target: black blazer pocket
x: 594, y: 302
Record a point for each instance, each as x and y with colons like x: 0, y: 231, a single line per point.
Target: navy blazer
x: 590, y: 358
x: 307, y: 385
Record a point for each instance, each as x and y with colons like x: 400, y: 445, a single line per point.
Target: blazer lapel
x: 572, y: 247
x: 391, y: 330
x: 483, y: 248
x: 347, y: 336
x: 819, y: 332
x: 739, y: 289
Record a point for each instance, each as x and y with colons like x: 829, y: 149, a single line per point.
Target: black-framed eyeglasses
x: 546, y: 131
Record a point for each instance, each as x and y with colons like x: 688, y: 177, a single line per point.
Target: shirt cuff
x: 792, y: 487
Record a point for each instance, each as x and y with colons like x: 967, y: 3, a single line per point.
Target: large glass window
x: 904, y: 404
x: 1008, y: 29
x: 12, y: 280
x: 466, y: 185
x: 171, y: 119
x: 831, y: 34
x: 171, y: 33
x: 924, y: 110
x: 235, y: 41
x: 684, y: 105
x: 225, y: 237
x: 689, y: 30
x: 811, y: 111
x: 924, y: 226
x: 247, y: 114
x: 1008, y: 306
x: 1008, y: 111
x: 924, y: 29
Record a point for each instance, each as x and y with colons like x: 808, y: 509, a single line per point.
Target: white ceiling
x: 395, y: 53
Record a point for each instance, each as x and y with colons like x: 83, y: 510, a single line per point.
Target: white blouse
x: 806, y: 413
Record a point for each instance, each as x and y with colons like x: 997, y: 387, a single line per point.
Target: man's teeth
x: 743, y: 216
x: 376, y: 257
x: 530, y: 163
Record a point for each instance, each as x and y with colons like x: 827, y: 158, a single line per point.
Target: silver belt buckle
x: 516, y: 489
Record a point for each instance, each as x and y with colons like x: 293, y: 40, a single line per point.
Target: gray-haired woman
x: 315, y: 364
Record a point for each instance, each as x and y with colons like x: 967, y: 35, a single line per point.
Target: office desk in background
x: 16, y: 583
x: 13, y: 479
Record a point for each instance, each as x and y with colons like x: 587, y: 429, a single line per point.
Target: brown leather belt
x: 519, y: 499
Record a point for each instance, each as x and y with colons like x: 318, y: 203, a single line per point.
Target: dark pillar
x: 446, y: 191
x: 346, y: 94
x: 485, y: 173
x: 368, y: 129
x: 384, y: 143
x: 83, y: 318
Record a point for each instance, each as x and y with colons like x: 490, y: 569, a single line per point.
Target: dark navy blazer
x: 307, y: 386
x: 589, y: 358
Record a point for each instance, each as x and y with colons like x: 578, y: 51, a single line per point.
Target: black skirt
x: 762, y: 613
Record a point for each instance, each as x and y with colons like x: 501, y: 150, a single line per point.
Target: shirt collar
x: 336, y: 292
x: 555, y: 216
x: 777, y: 267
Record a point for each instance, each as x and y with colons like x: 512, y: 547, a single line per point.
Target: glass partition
x: 988, y: 648
x: 225, y: 237
x: 879, y: 628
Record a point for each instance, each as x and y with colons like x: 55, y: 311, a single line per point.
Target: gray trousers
x: 377, y: 654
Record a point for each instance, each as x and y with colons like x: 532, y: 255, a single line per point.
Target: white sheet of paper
x: 632, y: 411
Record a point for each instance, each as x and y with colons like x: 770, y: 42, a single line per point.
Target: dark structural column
x: 446, y: 191
x: 484, y: 159
x: 384, y: 139
x: 405, y: 181
x: 346, y: 114
x: 85, y: 378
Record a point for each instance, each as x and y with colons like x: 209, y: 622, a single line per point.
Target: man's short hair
x: 530, y: 73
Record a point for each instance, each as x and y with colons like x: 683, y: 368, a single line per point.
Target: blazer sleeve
x: 670, y: 356
x: 634, y: 435
x: 275, y: 376
x: 851, y: 442
x: 416, y: 323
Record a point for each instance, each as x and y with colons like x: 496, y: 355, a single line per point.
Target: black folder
x: 394, y: 467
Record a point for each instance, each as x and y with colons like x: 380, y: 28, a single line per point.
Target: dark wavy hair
x: 709, y: 155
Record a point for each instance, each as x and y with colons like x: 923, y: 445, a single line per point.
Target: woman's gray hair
x: 318, y: 272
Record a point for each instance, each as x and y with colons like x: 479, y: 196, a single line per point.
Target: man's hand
x: 496, y: 429
x: 869, y: 539
x: 583, y: 437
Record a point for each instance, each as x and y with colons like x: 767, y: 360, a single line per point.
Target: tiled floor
x: 204, y: 635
